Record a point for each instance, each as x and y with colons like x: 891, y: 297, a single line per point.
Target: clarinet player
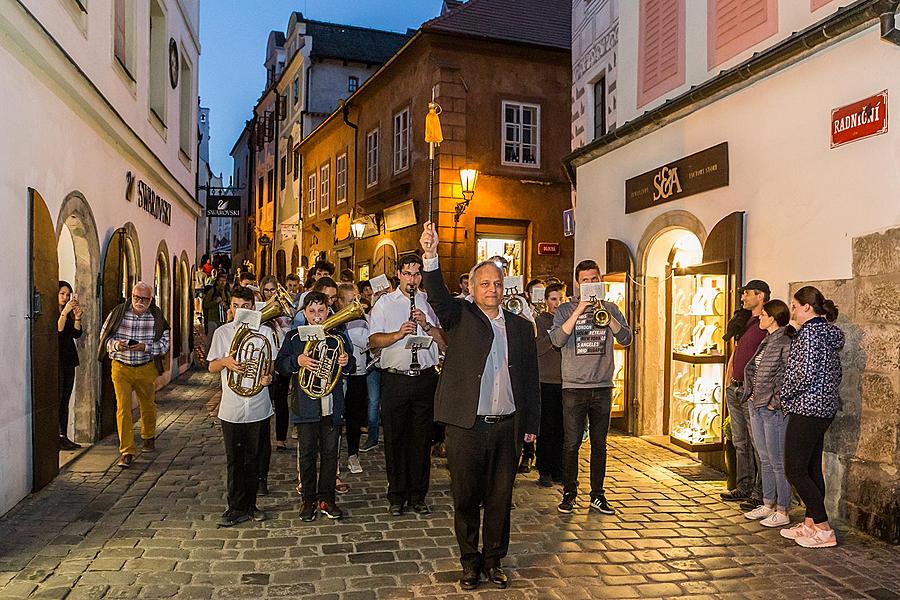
x: 408, y: 381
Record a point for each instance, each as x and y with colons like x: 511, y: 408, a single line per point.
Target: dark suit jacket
x: 470, y: 336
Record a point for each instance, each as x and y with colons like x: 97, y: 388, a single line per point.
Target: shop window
x: 159, y: 62
x: 401, y: 141
x: 509, y: 248
x: 340, y: 179
x: 123, y: 34
x: 521, y: 134
x: 660, y: 48
x: 372, y: 158
x: 737, y: 25
x: 325, y: 187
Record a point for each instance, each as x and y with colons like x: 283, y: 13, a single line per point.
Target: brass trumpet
x: 601, y: 315
x: 252, y: 350
x: 319, y: 383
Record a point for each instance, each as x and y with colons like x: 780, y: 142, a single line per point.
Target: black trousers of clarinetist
x: 407, y: 414
x: 482, y: 462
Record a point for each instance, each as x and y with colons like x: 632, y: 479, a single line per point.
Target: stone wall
x: 862, y: 448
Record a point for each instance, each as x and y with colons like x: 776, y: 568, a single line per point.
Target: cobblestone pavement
x: 147, y: 532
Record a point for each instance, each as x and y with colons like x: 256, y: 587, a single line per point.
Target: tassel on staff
x: 434, y: 137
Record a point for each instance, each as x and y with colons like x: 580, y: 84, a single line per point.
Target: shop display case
x: 699, y: 308
x: 615, y: 290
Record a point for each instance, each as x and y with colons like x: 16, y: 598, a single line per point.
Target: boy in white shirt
x: 242, y: 417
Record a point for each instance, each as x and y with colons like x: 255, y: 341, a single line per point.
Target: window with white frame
x: 159, y: 62
x: 401, y: 140
x: 521, y: 134
x: 340, y: 179
x: 311, y: 195
x: 187, y: 107
x: 324, y: 187
x: 123, y: 34
x: 372, y: 158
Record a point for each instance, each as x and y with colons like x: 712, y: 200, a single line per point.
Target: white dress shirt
x: 358, y: 332
x: 388, y: 315
x: 234, y: 408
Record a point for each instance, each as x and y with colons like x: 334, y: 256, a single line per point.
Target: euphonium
x: 320, y: 382
x: 253, y: 351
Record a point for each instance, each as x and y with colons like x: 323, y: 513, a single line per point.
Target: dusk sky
x: 233, y: 36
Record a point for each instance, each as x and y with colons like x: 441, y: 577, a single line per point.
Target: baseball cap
x: 757, y: 284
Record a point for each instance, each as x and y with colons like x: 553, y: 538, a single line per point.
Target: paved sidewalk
x: 148, y: 532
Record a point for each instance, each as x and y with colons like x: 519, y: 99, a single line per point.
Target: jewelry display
x: 615, y: 289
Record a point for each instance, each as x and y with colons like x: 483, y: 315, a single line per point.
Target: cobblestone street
x: 101, y: 532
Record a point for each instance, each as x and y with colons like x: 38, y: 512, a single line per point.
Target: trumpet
x: 253, y: 350
x: 319, y: 383
x: 601, y: 316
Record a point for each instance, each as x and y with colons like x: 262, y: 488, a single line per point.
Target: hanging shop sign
x: 859, y: 120
x: 148, y: 199
x: 548, y: 248
x: 706, y: 170
x: 289, y: 231
x: 218, y: 205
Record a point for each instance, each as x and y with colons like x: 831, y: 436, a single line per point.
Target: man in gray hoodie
x: 587, y: 381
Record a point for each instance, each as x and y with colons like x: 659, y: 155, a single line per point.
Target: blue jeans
x: 747, y: 477
x: 373, y: 382
x: 769, y: 427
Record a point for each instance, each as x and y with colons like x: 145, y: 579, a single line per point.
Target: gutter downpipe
x: 845, y: 21
x: 345, y: 113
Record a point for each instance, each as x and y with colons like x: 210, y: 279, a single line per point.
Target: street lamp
x: 467, y: 178
x: 265, y: 240
x: 357, y: 228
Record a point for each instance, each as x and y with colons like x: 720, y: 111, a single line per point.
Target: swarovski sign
x: 148, y: 199
x: 700, y: 172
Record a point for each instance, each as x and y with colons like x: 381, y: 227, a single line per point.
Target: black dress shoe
x: 734, y: 495
x: 470, y: 578
x: 496, y: 576
x: 525, y: 465
x: 421, y: 508
x: 750, y: 504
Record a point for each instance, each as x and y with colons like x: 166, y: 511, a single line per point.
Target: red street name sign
x: 859, y: 120
x: 548, y: 248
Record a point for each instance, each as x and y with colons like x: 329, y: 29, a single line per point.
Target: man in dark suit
x: 489, y: 398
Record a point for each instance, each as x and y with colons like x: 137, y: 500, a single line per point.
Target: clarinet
x: 414, y: 365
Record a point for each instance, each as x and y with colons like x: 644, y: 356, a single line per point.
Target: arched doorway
x: 121, y: 270
x: 280, y: 266
x: 43, y: 275
x: 78, y: 249
x: 671, y: 239
x: 384, y: 260
x: 187, y: 310
x: 163, y: 297
x: 178, y: 309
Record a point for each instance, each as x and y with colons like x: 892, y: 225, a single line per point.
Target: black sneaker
x: 601, y: 505
x: 421, y: 508
x: 330, y: 509
x: 369, y: 447
x: 232, y: 517
x: 396, y: 510
x: 750, y: 504
x: 308, y: 512
x: 545, y: 480
x: 567, y: 505
x: 734, y: 496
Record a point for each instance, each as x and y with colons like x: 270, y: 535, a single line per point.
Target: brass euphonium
x: 319, y: 383
x: 253, y: 351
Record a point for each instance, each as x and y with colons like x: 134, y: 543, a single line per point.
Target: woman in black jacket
x: 69, y: 327
x: 763, y: 377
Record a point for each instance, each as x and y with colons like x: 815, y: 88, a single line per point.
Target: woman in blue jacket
x: 319, y: 419
x: 810, y: 397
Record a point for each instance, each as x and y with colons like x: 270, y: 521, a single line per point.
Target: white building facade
x: 595, y: 30
x: 730, y: 151
x: 100, y: 138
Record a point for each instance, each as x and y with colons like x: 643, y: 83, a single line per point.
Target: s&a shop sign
x: 859, y: 120
x: 706, y: 170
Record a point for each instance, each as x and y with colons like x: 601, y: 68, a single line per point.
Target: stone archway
x: 76, y: 216
x: 162, y: 290
x: 187, y: 307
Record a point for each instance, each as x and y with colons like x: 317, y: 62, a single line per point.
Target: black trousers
x: 278, y: 391
x: 242, y: 451
x: 550, y: 442
x: 482, y: 463
x: 407, y: 414
x: 265, y: 448
x: 66, y: 383
x: 318, y: 444
x: 804, y: 442
x: 596, y: 404
x: 356, y: 411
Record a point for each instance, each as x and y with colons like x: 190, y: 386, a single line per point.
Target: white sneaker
x: 819, y: 539
x: 760, y: 512
x: 353, y: 464
x: 797, y: 531
x: 776, y: 519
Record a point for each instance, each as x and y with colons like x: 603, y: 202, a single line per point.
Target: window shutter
x: 660, y: 49
x: 736, y: 25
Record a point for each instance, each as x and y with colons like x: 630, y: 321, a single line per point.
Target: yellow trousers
x: 140, y: 380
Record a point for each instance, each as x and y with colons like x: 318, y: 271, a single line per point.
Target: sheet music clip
x: 248, y: 317
x: 308, y: 333
x: 419, y: 342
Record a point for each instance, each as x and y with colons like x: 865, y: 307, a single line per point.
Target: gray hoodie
x: 587, y: 354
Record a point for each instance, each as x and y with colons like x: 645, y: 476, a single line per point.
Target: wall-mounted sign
x: 174, y: 63
x: 706, y: 170
x: 859, y: 120
x: 288, y: 231
x: 400, y: 216
x: 223, y: 206
x: 148, y: 199
x: 548, y: 248
x: 569, y: 222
